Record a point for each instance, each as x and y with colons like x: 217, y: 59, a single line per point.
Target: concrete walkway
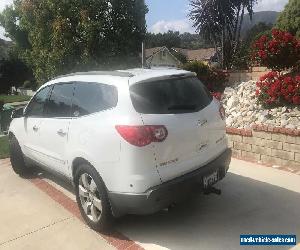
x: 254, y: 200
x: 30, y: 219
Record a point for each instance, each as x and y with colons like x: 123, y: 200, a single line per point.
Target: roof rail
x: 99, y: 73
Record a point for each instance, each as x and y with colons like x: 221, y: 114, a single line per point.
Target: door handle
x: 35, y: 128
x: 61, y: 132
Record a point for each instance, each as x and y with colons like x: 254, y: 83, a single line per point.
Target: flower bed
x: 243, y: 111
x: 275, y: 89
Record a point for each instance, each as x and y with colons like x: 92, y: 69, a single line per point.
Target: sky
x: 167, y: 15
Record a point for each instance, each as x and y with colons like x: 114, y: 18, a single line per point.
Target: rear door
x: 196, y: 132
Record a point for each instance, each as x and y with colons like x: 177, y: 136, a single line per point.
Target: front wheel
x: 92, y: 198
x: 16, y: 157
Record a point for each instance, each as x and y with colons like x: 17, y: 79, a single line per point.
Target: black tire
x: 17, y: 158
x: 105, y: 222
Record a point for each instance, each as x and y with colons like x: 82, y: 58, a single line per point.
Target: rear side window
x: 93, y: 97
x: 60, y: 101
x: 171, y: 96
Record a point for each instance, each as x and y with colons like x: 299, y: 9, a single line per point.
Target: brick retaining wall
x: 267, y: 145
x: 253, y: 73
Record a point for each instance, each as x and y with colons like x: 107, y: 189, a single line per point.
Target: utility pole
x: 143, y: 55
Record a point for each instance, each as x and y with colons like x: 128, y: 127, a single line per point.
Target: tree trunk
x: 239, y: 29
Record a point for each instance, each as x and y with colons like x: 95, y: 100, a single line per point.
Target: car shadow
x: 246, y: 206
x: 60, y: 180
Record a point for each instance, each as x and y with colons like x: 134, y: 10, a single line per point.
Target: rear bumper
x: 161, y: 196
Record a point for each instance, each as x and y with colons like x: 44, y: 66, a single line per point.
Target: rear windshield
x: 170, y: 96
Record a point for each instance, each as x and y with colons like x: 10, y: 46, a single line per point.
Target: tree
x: 278, y: 51
x: 220, y: 21
x: 56, y: 37
x: 173, y: 39
x: 215, y: 80
x: 289, y: 19
x: 241, y: 58
x: 256, y: 31
x: 13, y: 72
x: 193, y: 41
x: 170, y: 39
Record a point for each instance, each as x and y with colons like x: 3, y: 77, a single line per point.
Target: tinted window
x: 60, y: 101
x: 36, y: 106
x: 93, y: 97
x: 174, y: 95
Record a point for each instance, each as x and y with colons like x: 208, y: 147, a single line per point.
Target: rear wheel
x: 16, y: 157
x: 92, y: 198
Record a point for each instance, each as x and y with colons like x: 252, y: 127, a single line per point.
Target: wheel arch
x: 11, y: 135
x: 76, y: 162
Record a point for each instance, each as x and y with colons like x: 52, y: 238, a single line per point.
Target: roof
x: 198, y: 54
x: 152, y: 51
x: 94, y: 73
x: 191, y: 55
x: 130, y: 76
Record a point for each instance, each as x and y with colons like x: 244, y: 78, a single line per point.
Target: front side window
x: 60, y: 101
x: 36, y: 107
x: 93, y: 97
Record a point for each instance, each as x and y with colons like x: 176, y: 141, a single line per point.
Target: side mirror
x: 18, y: 113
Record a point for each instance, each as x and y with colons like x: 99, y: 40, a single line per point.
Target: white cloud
x: 163, y: 26
x: 3, y: 3
x: 276, y: 5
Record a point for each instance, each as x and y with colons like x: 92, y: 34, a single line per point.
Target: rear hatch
x: 196, y: 132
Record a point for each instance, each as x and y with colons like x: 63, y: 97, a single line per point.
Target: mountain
x: 268, y: 17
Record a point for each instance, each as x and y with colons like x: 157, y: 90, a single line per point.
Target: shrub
x: 275, y: 89
x: 215, y: 80
x: 278, y: 51
x: 30, y: 85
x: 217, y: 95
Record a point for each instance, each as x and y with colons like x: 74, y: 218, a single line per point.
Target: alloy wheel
x: 89, y: 197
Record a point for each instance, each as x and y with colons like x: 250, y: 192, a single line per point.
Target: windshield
x: 169, y: 96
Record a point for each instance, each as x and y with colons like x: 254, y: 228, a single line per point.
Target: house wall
x: 159, y: 60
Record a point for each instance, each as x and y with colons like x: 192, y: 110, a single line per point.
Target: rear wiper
x: 183, y: 107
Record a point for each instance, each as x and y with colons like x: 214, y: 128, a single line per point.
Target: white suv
x: 132, y: 142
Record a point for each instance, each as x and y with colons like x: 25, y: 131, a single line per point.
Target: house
x: 164, y: 57
x: 161, y: 57
x: 208, y: 55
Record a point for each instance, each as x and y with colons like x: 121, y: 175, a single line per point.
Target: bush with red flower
x: 275, y: 89
x: 278, y: 51
x: 215, y: 80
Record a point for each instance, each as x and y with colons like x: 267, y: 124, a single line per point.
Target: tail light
x: 141, y: 136
x: 222, y: 112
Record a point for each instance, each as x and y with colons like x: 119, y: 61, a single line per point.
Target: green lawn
x: 14, y: 98
x: 4, y: 147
